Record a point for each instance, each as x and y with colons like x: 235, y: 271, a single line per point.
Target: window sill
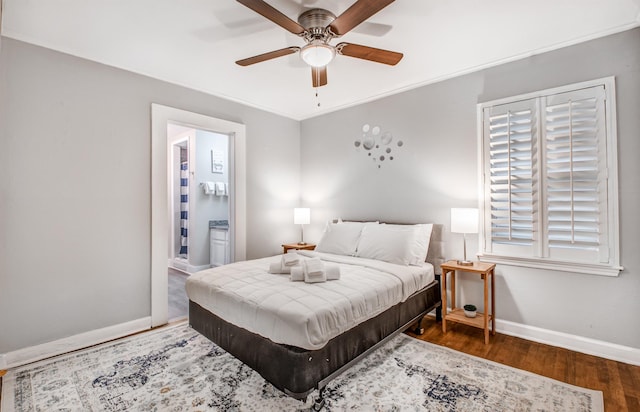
x: 585, y: 269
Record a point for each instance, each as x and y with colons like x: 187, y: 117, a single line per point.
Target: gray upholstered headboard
x: 435, y: 254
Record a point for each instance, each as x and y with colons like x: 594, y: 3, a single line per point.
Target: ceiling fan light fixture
x: 317, y: 53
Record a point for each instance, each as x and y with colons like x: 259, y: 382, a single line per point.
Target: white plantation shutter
x: 512, y: 131
x: 550, y: 179
x: 576, y: 178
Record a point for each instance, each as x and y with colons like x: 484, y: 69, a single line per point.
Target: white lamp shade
x: 464, y: 220
x: 301, y: 215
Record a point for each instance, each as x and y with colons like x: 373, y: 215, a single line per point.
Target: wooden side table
x: 297, y: 246
x: 486, y: 271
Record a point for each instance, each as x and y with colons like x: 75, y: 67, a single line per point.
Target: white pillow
x: 341, y: 238
x: 420, y: 246
x: 399, y: 244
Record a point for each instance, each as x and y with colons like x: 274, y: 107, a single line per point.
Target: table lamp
x: 464, y: 220
x: 301, y: 216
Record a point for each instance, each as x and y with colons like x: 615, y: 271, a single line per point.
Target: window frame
x: 612, y: 268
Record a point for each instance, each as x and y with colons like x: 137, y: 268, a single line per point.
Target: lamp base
x: 302, y: 243
x: 464, y: 262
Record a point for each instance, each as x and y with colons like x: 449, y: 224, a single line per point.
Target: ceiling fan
x: 318, y: 27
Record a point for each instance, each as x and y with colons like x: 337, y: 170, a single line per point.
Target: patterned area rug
x: 177, y: 369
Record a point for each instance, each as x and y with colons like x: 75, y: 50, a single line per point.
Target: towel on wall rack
x: 221, y: 189
x: 209, y: 188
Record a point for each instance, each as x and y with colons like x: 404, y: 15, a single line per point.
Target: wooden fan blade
x: 267, y: 56
x: 319, y: 76
x: 369, y: 53
x: 274, y: 15
x: 356, y: 14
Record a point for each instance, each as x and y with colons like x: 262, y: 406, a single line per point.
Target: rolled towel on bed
x: 290, y: 259
x: 313, y: 266
x: 329, y: 272
x: 332, y: 271
x: 278, y: 269
x: 314, y: 271
x: 297, y: 274
x: 317, y: 278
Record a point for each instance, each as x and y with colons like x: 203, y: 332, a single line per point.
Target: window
x: 550, y: 188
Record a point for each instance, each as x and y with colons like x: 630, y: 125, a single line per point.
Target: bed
x: 298, y: 335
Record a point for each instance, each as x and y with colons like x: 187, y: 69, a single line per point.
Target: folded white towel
x: 314, y: 271
x: 221, y: 189
x: 332, y: 271
x: 290, y: 259
x: 317, y: 278
x: 209, y: 188
x: 313, y: 266
x: 297, y: 274
x: 278, y: 269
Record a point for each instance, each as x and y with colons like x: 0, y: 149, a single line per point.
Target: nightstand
x: 486, y: 271
x: 297, y: 246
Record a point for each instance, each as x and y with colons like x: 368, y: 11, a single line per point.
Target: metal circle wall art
x: 378, y: 145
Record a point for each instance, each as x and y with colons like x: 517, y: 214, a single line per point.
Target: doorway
x: 200, y: 195
x: 161, y: 198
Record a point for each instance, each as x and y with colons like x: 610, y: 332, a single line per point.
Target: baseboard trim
x: 575, y: 343
x: 180, y: 264
x: 194, y: 269
x: 83, y: 340
x: 184, y: 266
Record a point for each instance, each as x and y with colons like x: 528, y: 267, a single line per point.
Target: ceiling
x: 194, y: 43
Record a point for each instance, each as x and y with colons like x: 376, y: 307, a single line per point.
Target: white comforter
x: 301, y: 314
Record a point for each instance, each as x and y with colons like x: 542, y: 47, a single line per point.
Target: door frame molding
x: 160, y: 215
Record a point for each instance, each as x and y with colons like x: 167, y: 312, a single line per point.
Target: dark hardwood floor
x: 619, y: 382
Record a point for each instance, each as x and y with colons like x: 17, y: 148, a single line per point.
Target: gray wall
x: 437, y: 168
x: 206, y: 207
x: 75, y: 196
x: 75, y: 185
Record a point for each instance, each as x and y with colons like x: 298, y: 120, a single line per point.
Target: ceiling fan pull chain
x: 317, y: 98
x: 317, y: 82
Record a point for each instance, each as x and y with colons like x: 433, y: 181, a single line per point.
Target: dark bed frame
x: 298, y: 372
